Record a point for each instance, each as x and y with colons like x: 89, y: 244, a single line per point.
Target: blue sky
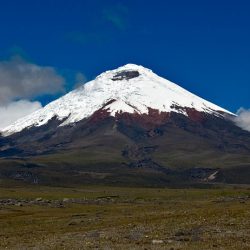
x: 204, y: 46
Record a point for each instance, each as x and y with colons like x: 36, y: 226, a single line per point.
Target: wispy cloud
x: 117, y: 15
x: 243, y: 119
x: 80, y: 79
x: 20, y: 79
x: 20, y: 82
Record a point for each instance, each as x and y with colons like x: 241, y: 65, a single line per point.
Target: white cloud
x: 243, y: 119
x: 20, y: 79
x: 11, y: 112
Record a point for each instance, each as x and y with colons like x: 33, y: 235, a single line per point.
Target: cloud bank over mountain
x: 20, y: 82
x: 14, y: 110
x: 243, y: 119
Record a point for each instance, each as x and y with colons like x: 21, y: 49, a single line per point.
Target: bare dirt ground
x: 124, y: 218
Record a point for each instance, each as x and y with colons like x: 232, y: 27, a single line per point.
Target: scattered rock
x: 66, y: 200
x: 57, y: 203
x: 155, y: 242
x: 241, y: 199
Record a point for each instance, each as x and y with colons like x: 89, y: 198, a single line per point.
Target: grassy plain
x: 101, y: 217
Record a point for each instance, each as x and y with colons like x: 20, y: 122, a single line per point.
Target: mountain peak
x: 131, y: 67
x: 125, y: 72
x: 133, y: 88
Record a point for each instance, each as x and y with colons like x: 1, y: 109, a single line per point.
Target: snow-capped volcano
x: 127, y: 126
x: 128, y: 89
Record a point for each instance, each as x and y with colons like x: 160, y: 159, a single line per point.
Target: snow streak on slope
x: 132, y: 95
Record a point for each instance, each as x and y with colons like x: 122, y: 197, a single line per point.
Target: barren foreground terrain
x: 97, y: 217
